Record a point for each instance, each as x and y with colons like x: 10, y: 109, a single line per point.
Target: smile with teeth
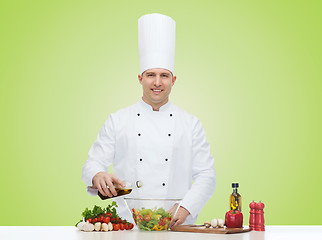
x: 157, y: 91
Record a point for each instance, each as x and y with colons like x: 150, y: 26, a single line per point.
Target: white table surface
x: 72, y: 233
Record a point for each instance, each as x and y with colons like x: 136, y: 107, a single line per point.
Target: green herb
x: 97, y: 211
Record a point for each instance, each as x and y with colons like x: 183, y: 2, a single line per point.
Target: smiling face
x: 157, y: 84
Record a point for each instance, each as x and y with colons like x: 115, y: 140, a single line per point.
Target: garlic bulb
x: 214, y: 223
x: 80, y: 225
x: 88, y: 227
x: 221, y: 223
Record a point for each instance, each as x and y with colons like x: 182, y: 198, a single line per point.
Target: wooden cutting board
x: 203, y: 229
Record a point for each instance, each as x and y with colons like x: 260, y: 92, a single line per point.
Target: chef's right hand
x: 105, y: 183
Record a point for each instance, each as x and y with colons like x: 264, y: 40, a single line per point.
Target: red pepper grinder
x: 259, y: 217
x: 252, y: 206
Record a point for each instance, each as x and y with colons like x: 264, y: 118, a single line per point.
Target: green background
x: 249, y: 70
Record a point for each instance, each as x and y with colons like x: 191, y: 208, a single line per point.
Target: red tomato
x: 122, y: 227
x: 147, y: 218
x: 131, y: 225
x: 127, y: 227
x: 116, y: 227
x: 94, y: 220
x: 101, y: 218
x: 107, y: 219
x: 108, y: 214
x: 89, y: 220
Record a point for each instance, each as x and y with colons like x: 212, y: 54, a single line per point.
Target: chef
x: 154, y: 141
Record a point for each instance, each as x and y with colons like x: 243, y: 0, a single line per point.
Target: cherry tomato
x: 131, y: 225
x: 89, y: 220
x: 108, y: 214
x: 116, y: 227
x: 94, y: 220
x: 147, y: 218
x: 127, y: 227
x: 122, y: 227
x: 106, y: 220
x: 101, y: 218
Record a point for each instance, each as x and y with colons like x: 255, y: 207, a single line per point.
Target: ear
x: 174, y: 78
x: 140, y: 78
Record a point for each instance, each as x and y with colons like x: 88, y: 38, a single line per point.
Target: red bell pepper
x: 234, y: 219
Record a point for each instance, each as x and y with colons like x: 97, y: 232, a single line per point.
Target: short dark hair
x: 147, y: 69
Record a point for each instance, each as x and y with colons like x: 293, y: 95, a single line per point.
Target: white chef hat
x: 157, y: 35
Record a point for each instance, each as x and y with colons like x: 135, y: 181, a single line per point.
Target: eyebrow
x: 160, y: 73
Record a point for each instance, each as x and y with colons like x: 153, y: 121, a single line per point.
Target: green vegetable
x: 112, y: 209
x: 97, y: 211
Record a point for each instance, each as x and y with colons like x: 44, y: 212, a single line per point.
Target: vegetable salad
x: 151, y: 219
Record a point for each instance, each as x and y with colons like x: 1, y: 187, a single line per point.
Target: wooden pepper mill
x: 259, y: 217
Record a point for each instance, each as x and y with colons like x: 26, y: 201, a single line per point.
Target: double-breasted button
x: 141, y: 159
x: 169, y: 135
x: 139, y: 134
x: 138, y: 114
x: 170, y: 114
x: 166, y: 159
x: 163, y: 184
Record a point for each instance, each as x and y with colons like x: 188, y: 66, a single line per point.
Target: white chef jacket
x: 166, y: 150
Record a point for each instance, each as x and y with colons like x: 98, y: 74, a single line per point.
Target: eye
x: 150, y: 75
x: 164, y: 75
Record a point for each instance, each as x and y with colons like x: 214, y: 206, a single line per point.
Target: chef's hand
x: 180, y: 216
x: 105, y: 183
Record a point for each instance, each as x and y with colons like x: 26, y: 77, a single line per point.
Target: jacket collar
x: 148, y: 107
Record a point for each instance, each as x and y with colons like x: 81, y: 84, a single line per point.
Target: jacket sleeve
x: 101, y: 154
x: 203, y: 172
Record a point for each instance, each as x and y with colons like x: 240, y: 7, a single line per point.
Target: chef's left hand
x: 180, y: 217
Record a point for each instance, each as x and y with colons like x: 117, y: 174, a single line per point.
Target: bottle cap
x: 235, y: 185
x: 138, y: 184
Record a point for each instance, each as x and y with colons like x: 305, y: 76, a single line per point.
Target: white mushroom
x: 221, y: 223
x: 104, y: 227
x: 97, y: 226
x: 214, y: 223
x: 207, y: 224
x: 110, y: 226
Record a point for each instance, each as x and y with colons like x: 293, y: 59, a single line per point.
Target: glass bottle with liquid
x: 123, y: 191
x: 235, y: 198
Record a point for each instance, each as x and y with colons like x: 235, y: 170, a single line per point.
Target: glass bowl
x: 152, y: 214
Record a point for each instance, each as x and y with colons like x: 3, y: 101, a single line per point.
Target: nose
x: 157, y: 81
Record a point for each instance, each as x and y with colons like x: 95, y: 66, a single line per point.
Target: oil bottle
x: 123, y: 191
x: 235, y: 198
